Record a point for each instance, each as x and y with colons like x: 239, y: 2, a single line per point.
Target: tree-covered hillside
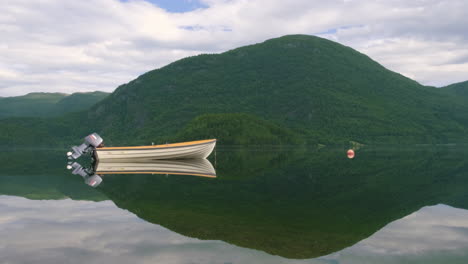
x: 325, y: 90
x: 32, y: 104
x: 458, y: 89
x: 318, y: 89
x: 47, y: 104
x: 238, y: 129
x: 80, y: 101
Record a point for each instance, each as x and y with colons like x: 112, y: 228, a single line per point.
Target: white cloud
x: 65, y: 45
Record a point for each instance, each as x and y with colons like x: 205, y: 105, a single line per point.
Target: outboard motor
x: 88, y: 175
x: 91, y: 142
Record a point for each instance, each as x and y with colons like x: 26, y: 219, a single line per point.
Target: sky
x: 69, y: 46
x: 91, y: 232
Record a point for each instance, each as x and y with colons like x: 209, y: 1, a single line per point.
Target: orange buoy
x: 350, y: 154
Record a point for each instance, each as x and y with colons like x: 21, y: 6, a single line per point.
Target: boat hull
x: 187, y: 150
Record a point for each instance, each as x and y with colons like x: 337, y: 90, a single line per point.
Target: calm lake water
x: 386, y: 205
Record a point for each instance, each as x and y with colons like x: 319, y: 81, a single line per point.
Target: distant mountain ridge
x: 460, y: 88
x: 318, y: 89
x: 47, y: 104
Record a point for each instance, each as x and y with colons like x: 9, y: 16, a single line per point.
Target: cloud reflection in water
x: 68, y: 231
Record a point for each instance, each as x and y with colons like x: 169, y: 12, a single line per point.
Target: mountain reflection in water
x: 68, y: 231
x: 294, y: 204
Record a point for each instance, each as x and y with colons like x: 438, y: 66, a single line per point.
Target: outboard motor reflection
x: 88, y: 175
x: 91, y: 142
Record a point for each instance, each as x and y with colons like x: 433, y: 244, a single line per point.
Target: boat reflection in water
x: 92, y: 176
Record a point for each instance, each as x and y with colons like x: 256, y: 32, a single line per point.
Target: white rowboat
x: 200, y: 149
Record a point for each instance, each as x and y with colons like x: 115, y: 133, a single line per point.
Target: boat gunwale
x: 164, y: 146
x: 155, y: 172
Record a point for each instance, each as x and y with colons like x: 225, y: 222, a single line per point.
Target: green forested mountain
x: 243, y: 129
x: 318, y: 89
x: 459, y: 89
x: 47, y: 104
x: 79, y: 101
x: 32, y: 104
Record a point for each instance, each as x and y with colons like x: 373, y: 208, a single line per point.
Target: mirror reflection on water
x: 262, y: 206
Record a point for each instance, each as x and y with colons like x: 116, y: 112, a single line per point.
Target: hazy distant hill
x: 33, y: 104
x: 318, y: 89
x: 47, y: 104
x: 459, y: 89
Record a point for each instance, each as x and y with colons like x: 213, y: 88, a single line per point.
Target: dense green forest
x: 238, y: 129
x: 459, y: 89
x: 312, y: 89
x: 47, y: 104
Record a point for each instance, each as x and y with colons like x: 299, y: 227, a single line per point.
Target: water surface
x: 264, y: 206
